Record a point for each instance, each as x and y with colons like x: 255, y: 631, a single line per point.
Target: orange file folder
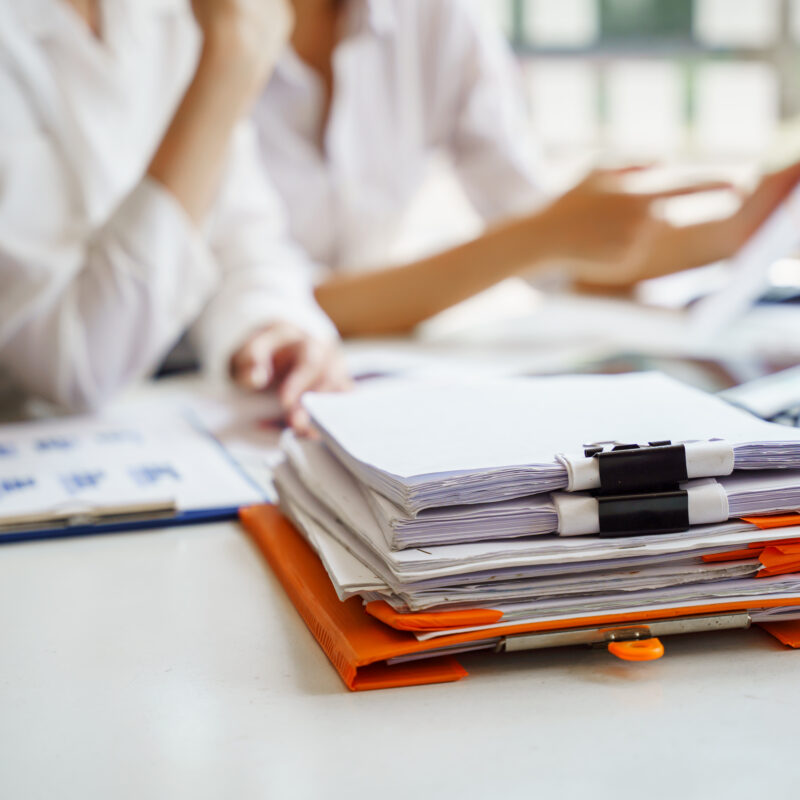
x: 359, y: 643
x: 356, y: 643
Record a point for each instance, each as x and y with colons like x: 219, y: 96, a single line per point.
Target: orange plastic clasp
x: 637, y: 650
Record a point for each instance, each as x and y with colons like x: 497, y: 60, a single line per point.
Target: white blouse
x: 100, y: 269
x: 411, y: 77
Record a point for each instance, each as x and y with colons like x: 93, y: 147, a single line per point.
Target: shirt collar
x: 377, y: 17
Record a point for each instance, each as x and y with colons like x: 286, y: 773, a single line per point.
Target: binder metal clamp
x: 653, y: 512
x: 619, y: 468
x: 668, y: 510
x: 628, y: 642
x: 629, y: 468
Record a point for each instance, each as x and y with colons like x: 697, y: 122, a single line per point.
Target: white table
x: 170, y: 664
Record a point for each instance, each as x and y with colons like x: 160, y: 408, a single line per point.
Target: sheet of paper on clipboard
x: 85, y: 474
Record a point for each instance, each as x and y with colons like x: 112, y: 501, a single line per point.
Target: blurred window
x: 657, y: 77
x: 560, y: 23
x: 564, y: 99
x: 737, y: 23
x: 642, y: 19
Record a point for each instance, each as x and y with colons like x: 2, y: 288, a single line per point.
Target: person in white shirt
x: 367, y: 91
x: 133, y: 205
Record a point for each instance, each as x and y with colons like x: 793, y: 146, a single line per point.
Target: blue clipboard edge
x: 182, y: 518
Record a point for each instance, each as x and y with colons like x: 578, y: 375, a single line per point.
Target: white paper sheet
x: 88, y: 464
x: 496, y: 594
x: 425, y: 445
x: 784, y: 587
x: 749, y: 493
x: 406, y: 567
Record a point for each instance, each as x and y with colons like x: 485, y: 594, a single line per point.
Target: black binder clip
x: 633, y: 468
x: 643, y: 514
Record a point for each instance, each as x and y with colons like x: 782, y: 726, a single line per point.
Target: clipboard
x: 99, y: 475
x: 369, y: 654
x: 122, y: 519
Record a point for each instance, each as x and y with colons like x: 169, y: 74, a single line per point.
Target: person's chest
x: 348, y: 166
x: 105, y: 102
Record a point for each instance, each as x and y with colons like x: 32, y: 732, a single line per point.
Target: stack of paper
x: 430, y: 500
x: 426, y: 446
x: 310, y: 462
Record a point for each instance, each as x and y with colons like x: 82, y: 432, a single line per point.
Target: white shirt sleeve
x: 83, y: 312
x: 266, y: 278
x: 487, y: 133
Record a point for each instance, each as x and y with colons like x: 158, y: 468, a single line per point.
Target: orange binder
x: 359, y: 643
x: 356, y: 644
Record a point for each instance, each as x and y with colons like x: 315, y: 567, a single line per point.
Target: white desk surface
x: 170, y: 664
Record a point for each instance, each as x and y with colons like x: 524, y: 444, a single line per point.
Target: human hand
x: 768, y: 194
x: 663, y: 248
x: 602, y: 230
x: 244, y: 36
x: 286, y: 359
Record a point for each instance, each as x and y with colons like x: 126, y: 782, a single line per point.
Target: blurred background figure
x: 393, y: 129
x: 132, y: 205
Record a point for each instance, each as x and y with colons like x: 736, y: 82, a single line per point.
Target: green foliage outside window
x: 637, y: 19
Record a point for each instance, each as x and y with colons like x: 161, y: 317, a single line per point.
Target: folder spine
x: 314, y: 616
x: 326, y: 641
x: 355, y: 643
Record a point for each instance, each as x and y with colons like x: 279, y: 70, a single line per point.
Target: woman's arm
x: 241, y: 40
x: 596, y: 225
x: 664, y: 248
x: 263, y: 311
x: 394, y: 300
x: 81, y: 315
